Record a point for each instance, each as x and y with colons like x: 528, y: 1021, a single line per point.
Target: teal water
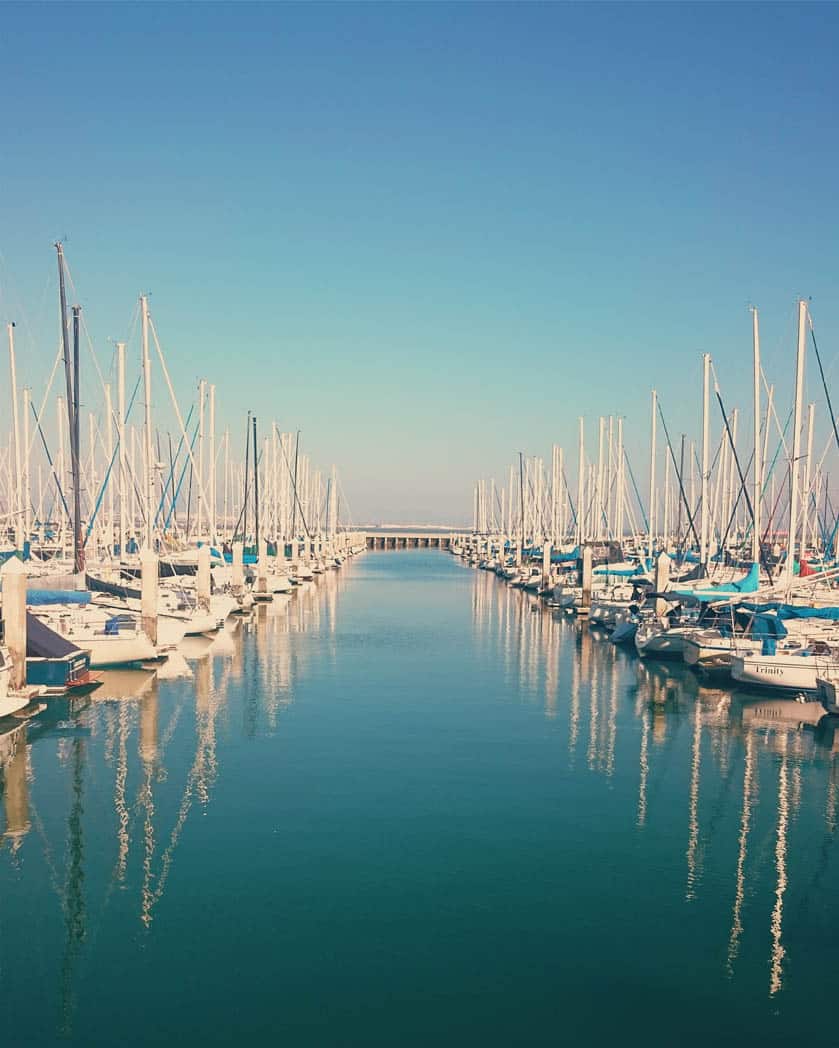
x: 404, y: 808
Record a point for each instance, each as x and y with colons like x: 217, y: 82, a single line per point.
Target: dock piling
x: 14, y: 619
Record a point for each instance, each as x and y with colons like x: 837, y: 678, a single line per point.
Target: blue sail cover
x: 790, y: 611
x: 748, y: 584
x: 247, y: 558
x: 626, y: 573
x: 562, y: 558
x: 48, y: 596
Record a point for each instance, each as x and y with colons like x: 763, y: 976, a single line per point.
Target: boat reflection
x: 692, y: 742
x: 120, y: 738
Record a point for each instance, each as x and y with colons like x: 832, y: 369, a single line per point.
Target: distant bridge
x: 411, y: 540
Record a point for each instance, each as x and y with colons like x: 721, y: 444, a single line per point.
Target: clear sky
x: 428, y: 235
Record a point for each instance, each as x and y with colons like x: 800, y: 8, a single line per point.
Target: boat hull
x: 791, y: 673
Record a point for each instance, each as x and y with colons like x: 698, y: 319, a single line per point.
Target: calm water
x: 403, y: 808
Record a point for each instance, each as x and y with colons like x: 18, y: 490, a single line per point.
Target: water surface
x: 409, y: 806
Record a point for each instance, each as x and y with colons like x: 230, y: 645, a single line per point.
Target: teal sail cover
x: 748, y: 584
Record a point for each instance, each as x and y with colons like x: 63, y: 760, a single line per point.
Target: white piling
x: 148, y: 592
x: 202, y: 582
x: 585, y: 602
x: 13, y: 577
x: 262, y: 570
x: 238, y: 569
x: 662, y: 579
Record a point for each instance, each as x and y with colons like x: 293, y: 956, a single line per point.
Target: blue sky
x: 428, y: 235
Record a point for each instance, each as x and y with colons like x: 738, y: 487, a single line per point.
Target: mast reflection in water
x: 410, y: 804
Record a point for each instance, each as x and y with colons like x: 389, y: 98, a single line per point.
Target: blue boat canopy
x: 748, y: 584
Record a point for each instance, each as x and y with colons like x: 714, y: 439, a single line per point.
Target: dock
x: 411, y: 540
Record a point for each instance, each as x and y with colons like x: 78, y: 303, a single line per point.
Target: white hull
x: 786, y: 672
x: 661, y: 643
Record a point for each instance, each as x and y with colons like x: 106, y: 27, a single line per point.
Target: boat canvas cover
x: 748, y: 584
x: 51, y: 596
x: 43, y: 642
x: 791, y: 611
x: 561, y: 558
x: 113, y: 589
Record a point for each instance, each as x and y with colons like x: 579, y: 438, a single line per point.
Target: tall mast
x: 805, y: 491
x: 610, y: 480
x: 247, y: 478
x: 123, y: 450
x: 110, y: 450
x: 796, y: 438
x: 62, y: 464
x: 202, y: 386
x: 27, y: 494
x: 333, y: 514
x: 225, y: 523
x: 619, y: 484
x: 255, y: 489
x: 706, y: 515
x: 68, y: 377
x: 75, y: 444
x: 598, y: 500
x: 294, y: 495
x: 758, y: 472
x: 18, y: 501
x: 212, y: 485
x: 521, y: 496
x: 654, y: 402
x: 149, y: 478
x: 581, y: 484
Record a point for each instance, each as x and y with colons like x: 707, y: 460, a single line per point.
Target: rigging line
x: 824, y: 380
x: 743, y: 487
x: 97, y: 504
x: 49, y: 460
x: 176, y: 496
x: 293, y: 485
x: 247, y: 496
x: 635, y: 489
x: 74, y: 289
x: 676, y: 469
x: 171, y: 477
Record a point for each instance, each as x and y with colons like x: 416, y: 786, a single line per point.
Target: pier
x: 410, y: 540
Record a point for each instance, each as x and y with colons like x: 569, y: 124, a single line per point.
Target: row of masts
x: 730, y: 494
x: 112, y: 481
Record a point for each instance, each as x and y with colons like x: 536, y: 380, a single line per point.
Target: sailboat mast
x: 581, y: 485
x: 796, y: 438
x: 110, y: 452
x: 18, y: 493
x: 706, y: 515
x: 758, y: 472
x: 212, y: 485
x: 654, y: 402
x: 202, y: 386
x: 149, y: 478
x: 294, y: 496
x: 255, y: 488
x: 75, y: 444
x: 247, y: 477
x: 68, y: 376
x: 619, y: 484
x: 123, y: 450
